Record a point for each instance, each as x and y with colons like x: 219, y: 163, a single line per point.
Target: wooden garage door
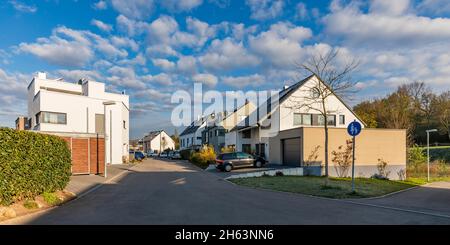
x: 291, y: 152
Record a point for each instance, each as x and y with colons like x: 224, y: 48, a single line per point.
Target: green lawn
x: 336, y: 188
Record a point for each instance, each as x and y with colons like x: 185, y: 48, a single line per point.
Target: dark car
x: 228, y: 161
x: 138, y: 155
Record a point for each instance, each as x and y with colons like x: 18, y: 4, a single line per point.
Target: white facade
x: 158, y: 142
x: 58, y: 106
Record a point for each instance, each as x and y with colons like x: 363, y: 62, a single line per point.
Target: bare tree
x: 333, y: 79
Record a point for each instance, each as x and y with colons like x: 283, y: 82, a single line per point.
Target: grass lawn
x: 337, y: 187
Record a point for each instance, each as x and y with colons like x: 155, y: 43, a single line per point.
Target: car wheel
x: 258, y: 164
x: 227, y: 168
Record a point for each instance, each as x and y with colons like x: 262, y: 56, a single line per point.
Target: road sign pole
x: 353, y: 165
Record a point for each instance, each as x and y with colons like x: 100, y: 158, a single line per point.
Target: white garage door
x: 291, y: 152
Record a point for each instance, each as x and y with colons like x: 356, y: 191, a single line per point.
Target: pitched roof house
x: 158, y: 141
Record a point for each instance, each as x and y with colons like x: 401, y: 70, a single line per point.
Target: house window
x: 318, y: 119
x: 187, y: 140
x: 247, y: 134
x: 217, y: 132
x: 302, y: 119
x: 297, y: 119
x: 51, y: 117
x: 210, y: 134
x: 331, y: 120
x: 124, y: 124
x: 341, y: 119
x: 306, y: 119
x: 247, y: 148
x: 315, y: 93
x: 222, y: 132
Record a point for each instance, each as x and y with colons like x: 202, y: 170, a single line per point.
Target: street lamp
x: 106, y: 103
x: 428, y: 152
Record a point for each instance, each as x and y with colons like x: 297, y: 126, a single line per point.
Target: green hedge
x: 31, y: 164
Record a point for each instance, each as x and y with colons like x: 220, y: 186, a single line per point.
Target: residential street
x: 163, y: 192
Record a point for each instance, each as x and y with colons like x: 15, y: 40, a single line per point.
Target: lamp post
x: 428, y: 152
x: 106, y: 103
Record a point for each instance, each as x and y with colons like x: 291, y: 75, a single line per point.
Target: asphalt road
x: 160, y: 192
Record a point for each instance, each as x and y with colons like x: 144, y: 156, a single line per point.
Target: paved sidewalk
x: 80, y: 184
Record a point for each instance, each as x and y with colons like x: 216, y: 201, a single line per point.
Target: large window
x: 297, y: 119
x: 51, y: 117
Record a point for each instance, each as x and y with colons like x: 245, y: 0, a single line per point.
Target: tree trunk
x: 326, y: 149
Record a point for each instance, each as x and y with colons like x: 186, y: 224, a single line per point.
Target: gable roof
x: 151, y: 135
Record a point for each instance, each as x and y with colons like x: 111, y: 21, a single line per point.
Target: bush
x: 31, y: 164
x: 51, y: 198
x: 204, y: 157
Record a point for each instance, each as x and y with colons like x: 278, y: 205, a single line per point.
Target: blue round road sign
x: 354, y: 128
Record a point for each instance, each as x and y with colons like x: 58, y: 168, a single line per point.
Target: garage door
x: 291, y: 152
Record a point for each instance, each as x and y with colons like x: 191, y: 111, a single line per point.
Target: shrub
x: 382, y: 170
x: 30, y: 164
x: 51, y: 198
x: 204, y: 157
x: 416, y: 158
x: 343, y: 158
x: 30, y: 204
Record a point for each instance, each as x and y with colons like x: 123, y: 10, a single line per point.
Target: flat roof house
x: 56, y: 106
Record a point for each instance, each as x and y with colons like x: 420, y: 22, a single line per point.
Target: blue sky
x: 151, y: 48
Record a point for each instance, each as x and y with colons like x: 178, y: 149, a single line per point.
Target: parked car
x: 170, y: 154
x: 138, y: 155
x: 152, y: 154
x: 163, y: 155
x: 228, y: 161
x: 175, y: 155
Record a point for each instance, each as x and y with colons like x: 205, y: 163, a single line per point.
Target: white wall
x: 155, y: 144
x: 80, y: 112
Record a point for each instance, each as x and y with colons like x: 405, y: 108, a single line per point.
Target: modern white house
x: 158, y: 141
x: 254, y: 135
x: 191, y: 137
x: 84, y: 107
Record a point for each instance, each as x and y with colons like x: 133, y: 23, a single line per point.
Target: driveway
x: 163, y: 192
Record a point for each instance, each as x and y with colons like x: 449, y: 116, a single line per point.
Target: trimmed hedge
x: 31, y: 164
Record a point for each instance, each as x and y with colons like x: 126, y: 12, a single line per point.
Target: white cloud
x: 281, y: 44
x: 74, y: 51
x: 101, y: 25
x: 187, y: 65
x: 205, y: 78
x: 226, y: 55
x: 385, y: 30
x: 125, y: 77
x: 125, y: 43
x: 22, y: 7
x: 180, y: 5
x: 136, y: 9
x: 161, y: 50
x: 265, y: 9
x: 244, y: 81
x: 129, y: 26
x: 389, y: 7
x: 138, y: 60
x: 75, y: 75
x: 164, y: 64
x: 437, y: 7
x: 161, y: 78
x: 100, y: 5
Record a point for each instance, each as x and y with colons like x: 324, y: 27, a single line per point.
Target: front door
x: 291, y: 152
